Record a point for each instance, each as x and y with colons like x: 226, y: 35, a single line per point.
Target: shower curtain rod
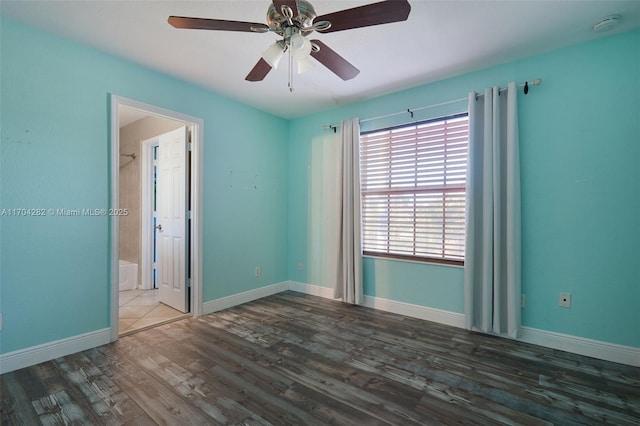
x: 534, y: 82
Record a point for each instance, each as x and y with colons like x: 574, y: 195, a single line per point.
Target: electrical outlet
x: 523, y: 300
x: 258, y: 271
x: 299, y: 266
x: 565, y: 300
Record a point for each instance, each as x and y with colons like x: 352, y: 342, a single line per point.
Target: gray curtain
x: 348, y: 284
x: 492, y: 255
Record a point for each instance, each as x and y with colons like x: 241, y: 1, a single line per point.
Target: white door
x: 172, y: 219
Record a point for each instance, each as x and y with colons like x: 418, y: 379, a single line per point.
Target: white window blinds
x: 413, y: 190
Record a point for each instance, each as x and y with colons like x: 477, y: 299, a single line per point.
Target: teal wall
x: 580, y: 161
x: 55, y: 154
x: 268, y: 186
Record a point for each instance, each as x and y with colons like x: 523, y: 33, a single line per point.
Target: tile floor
x: 140, y: 309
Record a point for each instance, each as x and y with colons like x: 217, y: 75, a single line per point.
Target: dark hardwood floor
x: 303, y: 360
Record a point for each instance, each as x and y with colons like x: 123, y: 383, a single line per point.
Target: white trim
x: 36, y: 354
x: 197, y: 124
x: 197, y: 161
x: 440, y: 316
x: 244, y: 297
x: 146, y: 177
x: 580, y: 345
x: 114, y: 221
x: 312, y: 289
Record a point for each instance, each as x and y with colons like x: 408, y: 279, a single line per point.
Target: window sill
x: 420, y: 260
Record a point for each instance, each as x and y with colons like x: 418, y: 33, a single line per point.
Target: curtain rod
x: 334, y: 127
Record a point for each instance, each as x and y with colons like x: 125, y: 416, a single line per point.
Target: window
x: 413, y: 190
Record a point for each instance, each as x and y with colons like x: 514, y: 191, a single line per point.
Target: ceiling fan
x: 294, y: 21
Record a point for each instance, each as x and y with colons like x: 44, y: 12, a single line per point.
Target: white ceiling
x: 440, y: 39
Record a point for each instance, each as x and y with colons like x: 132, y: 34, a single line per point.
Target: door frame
x: 146, y: 209
x: 197, y: 139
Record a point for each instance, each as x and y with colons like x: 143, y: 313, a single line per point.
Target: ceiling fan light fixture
x: 304, y: 64
x: 300, y: 46
x: 273, y: 54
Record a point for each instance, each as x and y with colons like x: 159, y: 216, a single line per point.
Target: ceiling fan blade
x: 216, y: 24
x: 291, y: 3
x: 336, y: 63
x: 383, y: 12
x: 259, y: 71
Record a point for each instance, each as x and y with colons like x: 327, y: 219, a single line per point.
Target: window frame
x: 415, y: 191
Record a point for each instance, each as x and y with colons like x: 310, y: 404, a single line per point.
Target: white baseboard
x: 579, y: 345
x: 36, y: 354
x: 416, y: 311
x: 240, y: 298
x: 312, y: 289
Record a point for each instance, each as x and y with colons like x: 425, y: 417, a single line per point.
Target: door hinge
x: 189, y: 215
x: 189, y: 146
x: 188, y: 282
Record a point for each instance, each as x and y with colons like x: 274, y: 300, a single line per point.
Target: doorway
x: 183, y: 231
x: 149, y: 292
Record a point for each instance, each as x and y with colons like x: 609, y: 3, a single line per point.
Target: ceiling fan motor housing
x: 279, y: 22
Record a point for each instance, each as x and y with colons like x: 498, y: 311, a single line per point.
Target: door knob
x: 158, y: 227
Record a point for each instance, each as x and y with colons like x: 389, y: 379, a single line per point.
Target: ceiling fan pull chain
x: 290, y: 72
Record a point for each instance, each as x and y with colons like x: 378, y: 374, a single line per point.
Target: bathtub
x: 128, y: 275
